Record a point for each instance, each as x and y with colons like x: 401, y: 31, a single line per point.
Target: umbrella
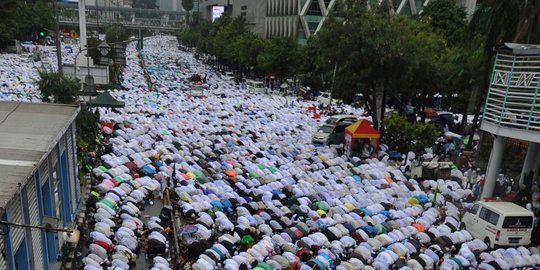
x: 188, y: 229
x: 284, y: 85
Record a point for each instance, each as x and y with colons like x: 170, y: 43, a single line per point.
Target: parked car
x: 336, y: 119
x: 442, y: 119
x: 331, y: 133
x: 257, y: 87
x: 324, y: 98
x: 14, y: 46
x: 499, y: 223
x: 228, y: 76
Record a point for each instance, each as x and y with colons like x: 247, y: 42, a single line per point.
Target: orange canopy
x: 362, y: 129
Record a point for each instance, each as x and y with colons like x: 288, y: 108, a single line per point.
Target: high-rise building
x: 300, y: 19
x: 254, y: 12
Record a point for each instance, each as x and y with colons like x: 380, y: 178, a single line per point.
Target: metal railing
x: 107, y: 15
x: 513, y: 92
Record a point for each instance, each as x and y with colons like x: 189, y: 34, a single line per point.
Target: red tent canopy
x: 362, y: 129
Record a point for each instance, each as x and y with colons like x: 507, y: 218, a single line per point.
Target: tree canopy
x: 187, y: 5
x: 379, y: 55
x: 19, y: 20
x: 58, y: 87
x: 230, y: 41
x: 116, y: 33
x: 448, y: 18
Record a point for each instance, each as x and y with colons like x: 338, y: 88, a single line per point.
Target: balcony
x: 511, y: 108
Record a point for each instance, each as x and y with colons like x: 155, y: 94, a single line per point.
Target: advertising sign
x: 217, y: 11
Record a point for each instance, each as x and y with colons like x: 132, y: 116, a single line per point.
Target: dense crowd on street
x: 251, y: 189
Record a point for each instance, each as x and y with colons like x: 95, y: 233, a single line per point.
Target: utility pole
x: 97, y: 15
x: 333, y: 83
x: 57, y: 33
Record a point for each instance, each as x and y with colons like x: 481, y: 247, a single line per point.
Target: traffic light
x: 41, y: 34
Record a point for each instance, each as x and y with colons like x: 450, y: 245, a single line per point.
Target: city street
x: 269, y: 135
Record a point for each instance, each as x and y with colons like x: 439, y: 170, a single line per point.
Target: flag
x: 434, y: 202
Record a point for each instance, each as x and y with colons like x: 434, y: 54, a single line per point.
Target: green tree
x: 18, y: 20
x: 247, y: 47
x: 86, y: 131
x: 94, y: 53
x: 404, y: 136
x: 449, y: 18
x: 465, y: 76
x: 224, y: 34
x: 378, y: 54
x: 58, y: 87
x: 281, y: 56
x: 188, y: 6
x: 116, y: 33
x: 528, y: 29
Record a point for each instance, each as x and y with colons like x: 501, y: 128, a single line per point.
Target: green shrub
x: 58, y: 87
x: 402, y: 135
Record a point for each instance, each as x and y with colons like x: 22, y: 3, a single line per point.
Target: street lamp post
x: 104, y: 49
x: 57, y: 34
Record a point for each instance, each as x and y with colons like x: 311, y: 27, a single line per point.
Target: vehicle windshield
x: 518, y: 222
x: 197, y: 88
x: 326, y: 129
x: 258, y: 85
x: 331, y: 120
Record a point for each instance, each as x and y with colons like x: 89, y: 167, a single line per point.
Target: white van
x: 499, y: 223
x: 256, y: 87
x: 14, y: 46
x: 324, y: 98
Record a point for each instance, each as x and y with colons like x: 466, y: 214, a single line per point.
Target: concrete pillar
x: 492, y: 171
x: 530, y: 160
x: 536, y: 166
x: 82, y: 22
x: 82, y: 60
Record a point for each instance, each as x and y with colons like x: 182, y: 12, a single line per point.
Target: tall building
x: 254, y: 12
x: 296, y: 19
x: 170, y: 5
x: 300, y: 19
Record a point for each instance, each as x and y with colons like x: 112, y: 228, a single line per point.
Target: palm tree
x: 527, y: 29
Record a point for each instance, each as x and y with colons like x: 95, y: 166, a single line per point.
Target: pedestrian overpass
x: 512, y: 108
x: 132, y: 18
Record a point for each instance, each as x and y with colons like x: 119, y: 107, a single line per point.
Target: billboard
x: 217, y: 11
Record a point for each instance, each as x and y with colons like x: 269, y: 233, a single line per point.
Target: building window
x: 314, y: 9
x: 243, y: 8
x: 243, y: 14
